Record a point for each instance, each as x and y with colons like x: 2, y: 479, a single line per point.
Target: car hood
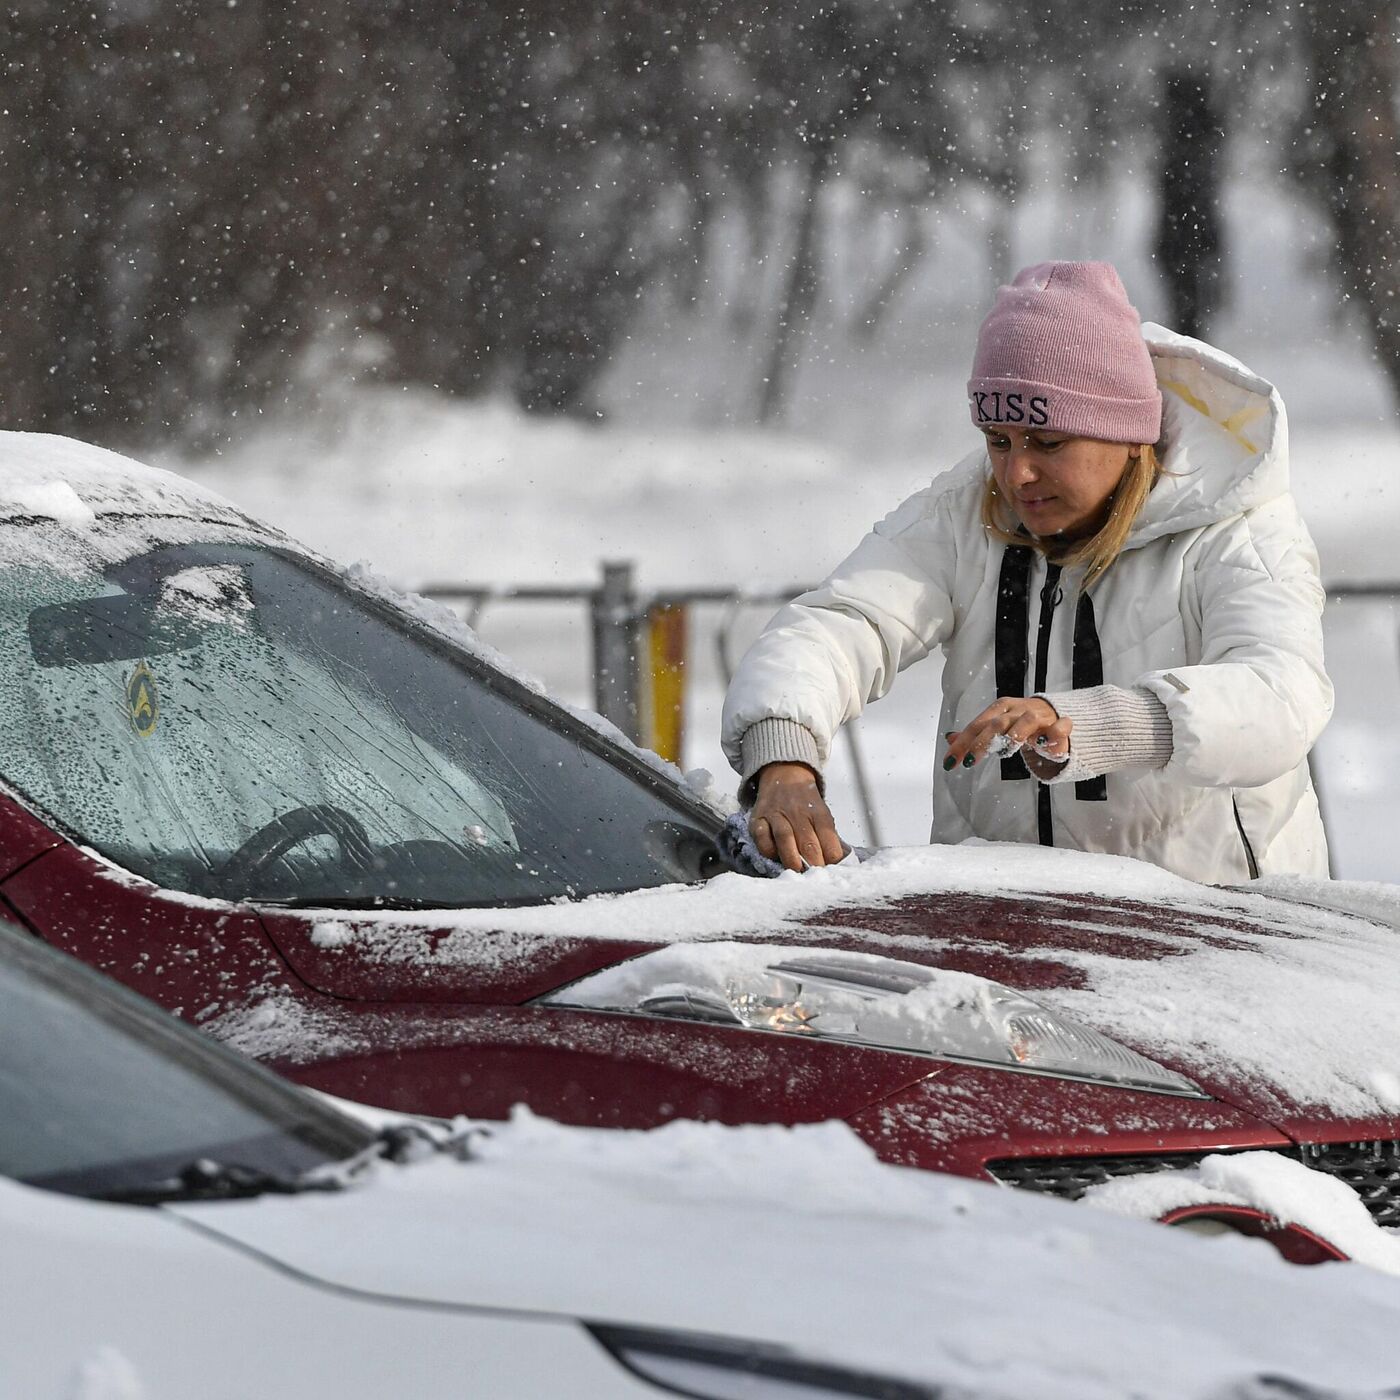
x: 799, y: 1236
x: 1278, y: 1007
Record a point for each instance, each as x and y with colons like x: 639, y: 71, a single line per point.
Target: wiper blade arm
x: 208, y: 1180
x: 403, y: 1142
x: 368, y: 902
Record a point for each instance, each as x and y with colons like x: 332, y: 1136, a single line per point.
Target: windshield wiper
x: 207, y: 1180
x: 369, y: 902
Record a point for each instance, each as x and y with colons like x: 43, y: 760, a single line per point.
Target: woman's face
x: 1055, y: 484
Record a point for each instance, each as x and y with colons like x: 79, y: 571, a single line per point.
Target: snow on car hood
x: 1277, y: 1005
x: 800, y: 1236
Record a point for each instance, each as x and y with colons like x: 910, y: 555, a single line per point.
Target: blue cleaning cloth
x: 740, y: 853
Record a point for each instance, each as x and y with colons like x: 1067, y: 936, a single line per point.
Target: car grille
x: 1371, y: 1169
x: 1071, y: 1177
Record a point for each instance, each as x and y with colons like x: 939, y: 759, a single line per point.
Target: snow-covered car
x: 324, y: 824
x: 179, y: 1222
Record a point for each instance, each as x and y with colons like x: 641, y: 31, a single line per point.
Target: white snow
x: 1297, y: 997
x: 800, y: 1234
x: 1373, y: 899
x: 1284, y: 1189
x: 332, y: 933
x: 55, y: 499
x: 212, y: 594
x: 71, y: 482
x: 792, y: 903
x: 281, y: 1027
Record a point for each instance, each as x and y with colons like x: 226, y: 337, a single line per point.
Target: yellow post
x: 666, y: 633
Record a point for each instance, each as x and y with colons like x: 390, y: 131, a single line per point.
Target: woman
x: 1126, y: 597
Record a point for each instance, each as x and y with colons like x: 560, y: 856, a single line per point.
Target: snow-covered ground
x: 431, y: 491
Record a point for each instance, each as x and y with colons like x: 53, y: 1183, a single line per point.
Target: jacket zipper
x: 1049, y: 597
x: 1244, y: 841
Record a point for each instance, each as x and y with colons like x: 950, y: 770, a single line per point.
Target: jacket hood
x: 1225, y: 433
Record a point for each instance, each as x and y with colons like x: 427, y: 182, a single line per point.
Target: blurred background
x: 493, y: 292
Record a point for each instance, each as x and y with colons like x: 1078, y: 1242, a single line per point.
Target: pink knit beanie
x: 1062, y: 349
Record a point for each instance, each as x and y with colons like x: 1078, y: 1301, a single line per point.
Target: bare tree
x: 1190, y: 224
x: 1355, y: 84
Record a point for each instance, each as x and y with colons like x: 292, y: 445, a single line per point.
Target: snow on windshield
x: 215, y: 594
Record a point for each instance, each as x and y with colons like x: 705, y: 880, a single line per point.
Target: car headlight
x: 862, y: 999
x: 723, y: 1368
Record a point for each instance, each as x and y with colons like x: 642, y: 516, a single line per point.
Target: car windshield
x: 101, y: 1092
x: 228, y: 720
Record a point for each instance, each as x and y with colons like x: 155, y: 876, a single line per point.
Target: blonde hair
x: 1099, y: 551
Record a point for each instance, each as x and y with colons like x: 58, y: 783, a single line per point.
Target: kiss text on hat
x: 1012, y: 408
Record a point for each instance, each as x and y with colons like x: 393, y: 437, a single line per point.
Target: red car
x: 322, y: 823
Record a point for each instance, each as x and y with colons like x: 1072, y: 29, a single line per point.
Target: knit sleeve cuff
x: 1113, y: 728
x: 775, y: 741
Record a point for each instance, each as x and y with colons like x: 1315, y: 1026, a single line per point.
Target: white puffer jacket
x: 1215, y: 606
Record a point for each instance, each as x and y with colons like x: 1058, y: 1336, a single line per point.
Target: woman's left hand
x: 1030, y: 723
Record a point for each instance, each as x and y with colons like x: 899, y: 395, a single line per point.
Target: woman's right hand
x: 790, y: 821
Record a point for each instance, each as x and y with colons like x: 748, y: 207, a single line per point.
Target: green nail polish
x: 948, y: 762
x: 969, y: 760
